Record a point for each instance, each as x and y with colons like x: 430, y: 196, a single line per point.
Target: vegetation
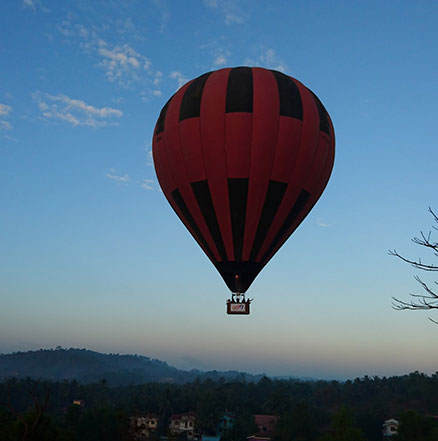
x: 308, y: 410
x: 89, y: 366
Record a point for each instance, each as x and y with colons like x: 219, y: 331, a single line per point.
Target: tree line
x: 308, y: 410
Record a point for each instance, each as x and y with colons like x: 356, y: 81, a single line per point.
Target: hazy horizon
x: 187, y: 363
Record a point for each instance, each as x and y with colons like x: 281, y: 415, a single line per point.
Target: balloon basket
x: 238, y: 305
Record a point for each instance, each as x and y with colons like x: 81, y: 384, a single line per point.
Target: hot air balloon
x: 242, y: 155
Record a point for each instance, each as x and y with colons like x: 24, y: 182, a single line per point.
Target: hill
x: 89, y: 366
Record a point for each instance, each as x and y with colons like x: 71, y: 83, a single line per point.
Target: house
x: 390, y: 427
x: 80, y: 403
x: 183, y: 423
x: 266, y: 425
x: 225, y: 423
x: 143, y: 425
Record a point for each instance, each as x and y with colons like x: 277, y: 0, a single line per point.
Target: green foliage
x: 102, y: 423
x: 300, y: 423
x: 8, y: 428
x: 343, y: 428
x: 32, y: 426
x: 416, y: 427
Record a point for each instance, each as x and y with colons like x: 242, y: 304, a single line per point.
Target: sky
x: 91, y: 254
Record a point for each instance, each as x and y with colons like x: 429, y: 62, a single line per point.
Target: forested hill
x: 89, y: 367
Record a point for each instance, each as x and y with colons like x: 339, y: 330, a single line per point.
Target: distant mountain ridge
x: 88, y: 366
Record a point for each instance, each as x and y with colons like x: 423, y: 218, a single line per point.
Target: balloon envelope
x: 242, y: 155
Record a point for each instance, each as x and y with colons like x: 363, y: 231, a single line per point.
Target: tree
x: 300, y: 423
x: 32, y: 425
x: 103, y: 423
x: 416, y: 427
x: 343, y: 428
x: 429, y: 300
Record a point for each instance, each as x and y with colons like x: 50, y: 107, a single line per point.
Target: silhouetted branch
x: 420, y: 301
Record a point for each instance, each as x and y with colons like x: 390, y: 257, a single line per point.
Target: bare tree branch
x: 429, y: 300
x: 415, y: 263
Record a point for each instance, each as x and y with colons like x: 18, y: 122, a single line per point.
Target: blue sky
x: 91, y: 255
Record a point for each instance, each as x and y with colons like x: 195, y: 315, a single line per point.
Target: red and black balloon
x: 242, y: 155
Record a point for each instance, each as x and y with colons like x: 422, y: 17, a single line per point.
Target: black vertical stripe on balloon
x: 239, y: 90
x: 191, y: 102
x: 203, y: 196
x: 189, y: 219
x: 162, y: 117
x: 293, y: 213
x: 273, y: 198
x: 238, y: 196
x: 290, y: 98
x: 324, y: 124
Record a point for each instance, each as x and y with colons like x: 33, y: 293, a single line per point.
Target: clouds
x: 125, y: 66
x: 146, y: 184
x: 230, y: 9
x: 179, y: 77
x: 267, y: 58
x: 75, y: 111
x: 163, y: 9
x: 29, y: 4
x: 149, y: 157
x: 231, y: 17
x: 5, y: 125
x: 5, y: 110
x: 122, y: 64
x: 220, y: 57
x: 220, y: 60
x: 69, y: 30
x: 123, y: 179
x: 34, y: 5
x: 320, y: 222
x: 157, y: 80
